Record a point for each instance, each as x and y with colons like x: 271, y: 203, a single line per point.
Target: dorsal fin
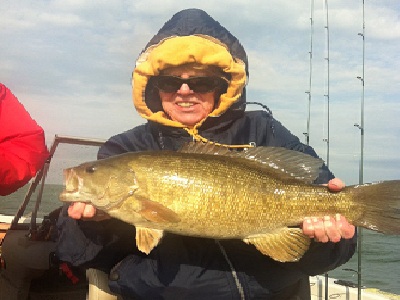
x: 206, y: 148
x: 283, y: 163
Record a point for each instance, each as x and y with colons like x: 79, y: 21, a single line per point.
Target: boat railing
x: 41, y: 178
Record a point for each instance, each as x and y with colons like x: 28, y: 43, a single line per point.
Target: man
x: 189, y: 83
x: 22, y: 144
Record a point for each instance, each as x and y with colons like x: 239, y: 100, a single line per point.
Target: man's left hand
x: 329, y: 229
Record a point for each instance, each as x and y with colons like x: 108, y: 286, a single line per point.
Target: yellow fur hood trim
x: 200, y: 49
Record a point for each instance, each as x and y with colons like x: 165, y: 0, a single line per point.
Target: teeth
x: 185, y: 104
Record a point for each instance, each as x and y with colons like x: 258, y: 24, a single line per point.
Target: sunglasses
x: 170, y: 84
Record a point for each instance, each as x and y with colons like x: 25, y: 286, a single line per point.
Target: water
x: 380, y: 265
x: 10, y: 204
x: 380, y: 255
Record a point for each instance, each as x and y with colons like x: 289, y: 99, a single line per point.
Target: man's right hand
x: 81, y: 210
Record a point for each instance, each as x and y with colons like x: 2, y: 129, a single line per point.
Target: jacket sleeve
x: 22, y: 144
x: 324, y: 257
x: 93, y: 244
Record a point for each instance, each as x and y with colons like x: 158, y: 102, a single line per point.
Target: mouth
x: 72, y: 181
x: 185, y: 104
x: 72, y: 186
x: 68, y: 196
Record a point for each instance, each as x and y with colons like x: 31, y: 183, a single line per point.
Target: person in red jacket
x: 22, y: 144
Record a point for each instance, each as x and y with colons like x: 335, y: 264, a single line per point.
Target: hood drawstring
x: 197, y: 137
x: 194, y: 132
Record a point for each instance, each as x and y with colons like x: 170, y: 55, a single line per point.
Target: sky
x: 70, y: 63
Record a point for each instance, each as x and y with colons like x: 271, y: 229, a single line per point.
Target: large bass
x: 259, y: 195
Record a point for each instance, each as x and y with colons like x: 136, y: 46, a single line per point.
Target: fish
x: 259, y: 195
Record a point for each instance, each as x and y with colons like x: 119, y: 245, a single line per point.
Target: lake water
x: 380, y: 253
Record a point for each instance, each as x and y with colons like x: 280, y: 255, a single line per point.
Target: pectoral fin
x: 156, y: 212
x: 284, y: 245
x: 147, y: 239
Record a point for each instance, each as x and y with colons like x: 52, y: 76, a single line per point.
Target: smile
x: 185, y: 104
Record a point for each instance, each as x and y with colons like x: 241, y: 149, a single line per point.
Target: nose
x: 185, y: 89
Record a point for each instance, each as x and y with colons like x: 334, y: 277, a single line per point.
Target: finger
x: 308, y: 227
x: 75, y: 210
x: 319, y: 230
x: 89, y: 211
x: 332, y: 232
x: 347, y: 230
x: 335, y: 185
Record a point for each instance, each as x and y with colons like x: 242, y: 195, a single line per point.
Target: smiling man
x: 188, y: 94
x: 189, y: 83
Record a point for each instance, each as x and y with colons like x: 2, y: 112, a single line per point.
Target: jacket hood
x: 199, y: 39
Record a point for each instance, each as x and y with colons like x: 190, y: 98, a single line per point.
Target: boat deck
x: 340, y: 291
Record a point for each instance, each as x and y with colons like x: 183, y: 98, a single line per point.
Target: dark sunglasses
x: 170, y: 84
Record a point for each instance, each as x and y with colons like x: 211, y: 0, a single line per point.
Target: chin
x: 188, y: 121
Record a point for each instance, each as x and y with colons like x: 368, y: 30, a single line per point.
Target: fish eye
x: 90, y: 169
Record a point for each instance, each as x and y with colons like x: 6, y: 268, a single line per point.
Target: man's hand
x: 328, y: 228
x: 335, y: 185
x: 80, y: 210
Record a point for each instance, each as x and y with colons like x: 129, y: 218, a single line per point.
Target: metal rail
x: 41, y: 177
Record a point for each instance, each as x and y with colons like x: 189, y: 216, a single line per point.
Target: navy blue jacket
x: 195, y: 268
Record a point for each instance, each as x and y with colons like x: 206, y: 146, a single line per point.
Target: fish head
x: 103, y: 183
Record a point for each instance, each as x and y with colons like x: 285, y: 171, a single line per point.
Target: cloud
x: 383, y: 20
x: 70, y: 64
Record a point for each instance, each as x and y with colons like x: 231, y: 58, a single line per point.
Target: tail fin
x: 382, y: 206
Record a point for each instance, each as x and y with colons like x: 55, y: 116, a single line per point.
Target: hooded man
x: 189, y: 83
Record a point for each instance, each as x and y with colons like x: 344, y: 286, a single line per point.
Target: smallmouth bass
x: 258, y: 195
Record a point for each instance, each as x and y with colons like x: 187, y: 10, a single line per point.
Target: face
x: 185, y: 105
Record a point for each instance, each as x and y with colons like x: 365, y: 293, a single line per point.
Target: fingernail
x: 327, y: 221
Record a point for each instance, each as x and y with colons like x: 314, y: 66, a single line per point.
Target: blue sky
x: 70, y: 62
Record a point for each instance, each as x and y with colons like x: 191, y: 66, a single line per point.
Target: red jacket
x: 22, y: 144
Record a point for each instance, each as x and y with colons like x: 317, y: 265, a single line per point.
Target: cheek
x: 167, y: 106
x: 166, y: 101
x: 165, y: 97
x: 208, y: 107
x: 209, y: 102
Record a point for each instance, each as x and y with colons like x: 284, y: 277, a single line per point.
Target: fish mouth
x: 75, y: 191
x: 75, y: 195
x: 72, y: 181
x: 73, y: 184
x: 68, y: 196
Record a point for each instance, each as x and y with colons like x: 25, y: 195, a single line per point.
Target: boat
x: 30, y: 269
x: 331, y: 288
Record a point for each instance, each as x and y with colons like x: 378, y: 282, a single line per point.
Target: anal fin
x: 147, y: 239
x: 284, y: 245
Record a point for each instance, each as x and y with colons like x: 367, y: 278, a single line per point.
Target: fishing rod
x: 307, y: 134
x: 361, y: 127
x: 326, y: 95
